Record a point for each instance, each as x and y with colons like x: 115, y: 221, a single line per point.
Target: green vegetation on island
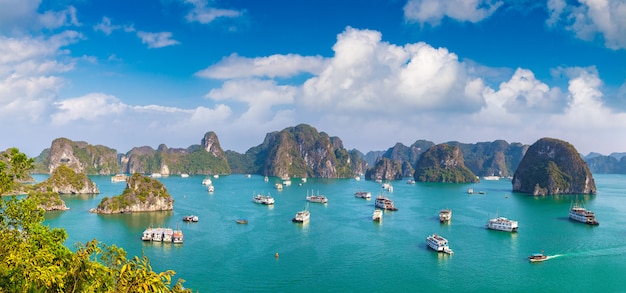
x: 443, y: 163
x: 34, y: 259
x: 142, y: 194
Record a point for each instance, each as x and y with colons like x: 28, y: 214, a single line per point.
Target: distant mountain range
x: 299, y: 151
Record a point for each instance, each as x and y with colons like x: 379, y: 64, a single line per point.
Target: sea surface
x: 342, y: 250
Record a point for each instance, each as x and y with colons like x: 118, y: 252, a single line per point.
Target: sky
x: 372, y: 72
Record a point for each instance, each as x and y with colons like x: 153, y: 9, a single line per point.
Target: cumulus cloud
x: 157, y: 40
x: 433, y: 11
x: 200, y: 12
x: 590, y: 18
x: 105, y: 26
x: 90, y: 107
x: 235, y: 66
x: 21, y: 15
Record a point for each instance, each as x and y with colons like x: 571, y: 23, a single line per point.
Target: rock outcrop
x: 81, y: 157
x: 64, y: 180
x: 49, y: 201
x: 552, y: 166
x: 142, y: 194
x: 385, y: 169
x: 443, y: 163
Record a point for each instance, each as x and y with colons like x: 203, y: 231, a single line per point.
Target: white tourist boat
x: 207, y: 181
x: 385, y: 203
x: 580, y: 214
x: 263, y: 199
x: 377, y: 216
x: 491, y: 177
x: 363, y: 194
x: 184, y: 175
x: 177, y: 236
x: 438, y: 243
x: 502, y: 224
x: 157, y: 234
x: 445, y: 215
x: 167, y: 234
x: 147, y: 235
x: 156, y: 175
x: 301, y: 216
x: 190, y: 218
x: 119, y: 178
x: 387, y: 186
x: 211, y: 188
x: 278, y: 186
x: 316, y: 198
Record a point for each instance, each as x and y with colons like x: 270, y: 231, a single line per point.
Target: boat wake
x: 593, y: 253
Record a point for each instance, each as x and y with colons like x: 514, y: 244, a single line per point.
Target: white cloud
x: 23, y: 15
x: 91, y: 107
x: 272, y: 66
x: 433, y: 11
x: 105, y: 26
x: 157, y: 40
x: 55, y: 19
x: 590, y: 18
x: 203, y: 14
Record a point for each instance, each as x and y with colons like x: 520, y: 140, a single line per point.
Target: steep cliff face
x: 385, y: 169
x: 301, y: 151
x: 552, y: 166
x: 82, y: 157
x: 443, y: 163
x: 64, y: 180
x: 492, y: 158
x: 142, y: 194
x: 49, y: 201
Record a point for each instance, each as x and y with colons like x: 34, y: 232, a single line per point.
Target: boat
x: 410, y: 181
x: 502, y: 224
x: 156, y: 175
x: 491, y: 177
x: 301, y: 217
x: 316, y: 198
x: 241, y: 221
x: 385, y: 203
x: 537, y: 257
x: 438, y: 243
x: 470, y: 191
x: 207, y: 181
x: 119, y: 178
x: 445, y: 215
x: 216, y: 176
x: 363, y: 194
x: 177, y: 236
x: 184, y: 175
x: 357, y: 178
x: 190, y: 218
x: 147, y: 234
x: 278, y: 186
x: 211, y: 188
x: 388, y: 187
x: 248, y: 175
x: 377, y: 216
x: 287, y: 182
x: 167, y: 234
x: 157, y: 234
x: 263, y: 199
x: 580, y: 214
x: 266, y: 179
x: 304, y: 180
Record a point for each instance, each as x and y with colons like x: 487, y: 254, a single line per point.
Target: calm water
x: 341, y: 249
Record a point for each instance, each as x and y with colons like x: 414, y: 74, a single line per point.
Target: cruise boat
x: 385, y: 203
x: 211, y: 188
x: 316, y: 198
x: 388, y: 187
x: 301, y: 217
x: 502, y: 224
x: 177, y: 236
x: 147, y: 235
x: 119, y: 178
x: 377, y: 216
x: 190, y: 218
x: 157, y: 234
x: 278, y: 186
x: 363, y: 194
x: 537, y: 257
x: 184, y: 175
x: 580, y: 214
x: 167, y: 234
x: 156, y: 175
x: 263, y: 199
x: 266, y: 179
x: 491, y: 177
x: 438, y: 243
x: 445, y: 215
x: 207, y: 181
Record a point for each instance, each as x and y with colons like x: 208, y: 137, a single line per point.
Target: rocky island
x: 142, y: 194
x: 552, y: 166
x: 64, y: 180
x: 443, y: 163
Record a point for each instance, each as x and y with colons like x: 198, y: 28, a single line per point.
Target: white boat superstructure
x: 438, y: 243
x: 377, y: 216
x: 385, y: 203
x: 207, y: 181
x: 184, y: 175
x: 119, y: 178
x: 491, y: 177
x: 445, y: 215
x: 263, y: 199
x: 302, y: 217
x: 580, y: 214
x: 211, y: 188
x: 502, y: 224
x: 363, y: 194
x: 167, y: 235
x: 316, y: 198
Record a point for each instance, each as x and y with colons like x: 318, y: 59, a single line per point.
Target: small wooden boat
x: 190, y: 218
x: 537, y: 257
x: 242, y: 221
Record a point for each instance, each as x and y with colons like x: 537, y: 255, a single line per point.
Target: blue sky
x: 374, y: 73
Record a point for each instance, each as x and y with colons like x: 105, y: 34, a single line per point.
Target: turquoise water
x: 342, y: 249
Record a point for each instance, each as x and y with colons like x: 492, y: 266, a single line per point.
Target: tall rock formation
x: 385, y: 169
x: 82, y: 157
x: 443, y: 163
x: 64, y: 180
x: 142, y: 194
x: 552, y: 166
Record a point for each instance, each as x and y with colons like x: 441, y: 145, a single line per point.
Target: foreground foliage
x: 34, y: 259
